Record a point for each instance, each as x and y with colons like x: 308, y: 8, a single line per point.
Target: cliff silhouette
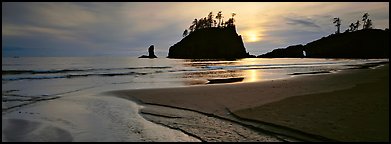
x: 366, y: 43
x: 210, y: 43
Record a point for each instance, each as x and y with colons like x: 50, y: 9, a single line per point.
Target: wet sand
x: 204, y: 127
x: 343, y: 93
x: 357, y: 114
x: 84, y: 117
x: 26, y: 131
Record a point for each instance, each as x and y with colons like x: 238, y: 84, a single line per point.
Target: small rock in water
x: 151, y: 53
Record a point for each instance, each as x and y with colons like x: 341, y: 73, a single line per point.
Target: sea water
x: 41, y: 75
x: 68, y: 88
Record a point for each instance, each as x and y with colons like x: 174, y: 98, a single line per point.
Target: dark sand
x: 360, y: 113
x: 349, y: 105
x: 204, y: 127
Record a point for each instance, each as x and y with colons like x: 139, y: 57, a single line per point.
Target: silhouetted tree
x: 185, y: 33
x: 210, y: 19
x: 205, y: 23
x: 337, y: 22
x: 198, y: 24
x: 357, y: 25
x: 208, y: 22
x: 202, y: 23
x: 368, y: 24
x: 192, y: 27
x: 219, y: 16
x: 364, y: 19
x: 352, y: 27
x: 233, y: 14
x: 231, y: 20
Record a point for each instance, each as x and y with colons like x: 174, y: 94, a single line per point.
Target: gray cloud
x: 303, y: 22
x: 129, y: 28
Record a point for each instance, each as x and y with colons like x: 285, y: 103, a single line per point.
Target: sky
x: 128, y: 29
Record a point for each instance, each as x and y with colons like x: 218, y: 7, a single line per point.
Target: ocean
x: 61, y: 76
x: 29, y: 83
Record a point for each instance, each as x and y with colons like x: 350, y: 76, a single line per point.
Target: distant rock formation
x: 210, y: 43
x: 367, y: 43
x: 295, y: 51
x: 151, y: 53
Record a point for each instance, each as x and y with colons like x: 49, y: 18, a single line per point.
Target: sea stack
x: 209, y: 38
x: 210, y: 43
x: 151, y: 53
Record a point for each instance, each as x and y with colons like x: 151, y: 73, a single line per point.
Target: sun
x: 252, y: 37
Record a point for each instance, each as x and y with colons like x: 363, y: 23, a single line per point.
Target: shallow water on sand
x: 84, y: 116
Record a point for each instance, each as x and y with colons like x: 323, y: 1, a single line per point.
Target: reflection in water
x: 199, y: 63
x: 205, y: 71
x: 214, y: 74
x: 251, y: 76
x: 224, y: 71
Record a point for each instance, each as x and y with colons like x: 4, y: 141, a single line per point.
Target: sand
x: 28, y: 131
x: 343, y: 99
x: 357, y: 114
x: 84, y: 116
x: 204, y: 127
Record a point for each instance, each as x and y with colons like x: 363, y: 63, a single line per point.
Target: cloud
x: 129, y: 28
x: 57, y: 15
x: 303, y: 22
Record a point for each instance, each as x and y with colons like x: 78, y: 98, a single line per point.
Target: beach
x: 348, y: 105
x: 188, y: 72
x: 247, y: 100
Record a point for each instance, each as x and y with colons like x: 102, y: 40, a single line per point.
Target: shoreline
x: 196, y: 113
x: 219, y: 100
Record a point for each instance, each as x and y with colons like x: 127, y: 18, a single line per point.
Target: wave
x: 14, y: 75
x: 16, y: 72
x: 71, y: 76
x: 31, y: 78
x: 271, y: 66
x: 257, y: 67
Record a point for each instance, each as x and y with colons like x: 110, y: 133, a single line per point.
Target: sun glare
x: 251, y: 75
x: 252, y: 37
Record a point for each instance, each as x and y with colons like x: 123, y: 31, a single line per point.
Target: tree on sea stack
x: 351, y: 27
x: 337, y: 22
x: 357, y: 25
x: 364, y: 19
x: 208, y: 22
x: 210, y: 19
x: 368, y: 24
x: 219, y: 17
x: 185, y: 33
x: 193, y: 26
